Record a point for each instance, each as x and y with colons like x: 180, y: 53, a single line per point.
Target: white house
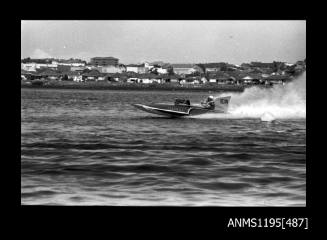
x: 174, y: 80
x: 78, y: 78
x: 203, y: 80
x: 247, y: 79
x: 132, y: 80
x: 72, y: 64
x: 101, y: 78
x: 31, y: 67
x: 185, y: 68
x: 148, y: 66
x: 187, y: 82
x: 136, y: 68
x: 162, y: 70
x: 34, y: 66
x: 112, y: 69
x: 145, y: 80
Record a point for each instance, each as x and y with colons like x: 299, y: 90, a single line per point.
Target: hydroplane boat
x: 183, y: 107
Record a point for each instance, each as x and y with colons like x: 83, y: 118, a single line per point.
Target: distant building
x: 278, y: 79
x: 69, y: 63
x: 252, y: 79
x: 78, y: 78
x: 104, y: 61
x: 71, y: 76
x: 35, y: 66
x: 191, y: 80
x: 161, y: 69
x: 185, y: 68
x: 147, y: 78
x: 30, y: 67
x: 78, y: 68
x: 247, y: 80
x: 203, y: 80
x: 148, y: 65
x: 112, y: 69
x: 214, y: 67
x: 159, y: 66
x: 136, y: 68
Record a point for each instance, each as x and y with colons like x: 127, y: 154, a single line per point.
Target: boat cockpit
x: 182, y: 101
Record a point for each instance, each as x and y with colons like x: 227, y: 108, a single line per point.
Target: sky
x: 188, y: 41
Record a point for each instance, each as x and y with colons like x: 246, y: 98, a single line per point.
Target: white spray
x: 279, y: 102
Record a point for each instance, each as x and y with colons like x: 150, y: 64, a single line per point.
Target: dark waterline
x: 90, y: 147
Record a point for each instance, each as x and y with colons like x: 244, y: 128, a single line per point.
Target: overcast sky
x: 169, y: 41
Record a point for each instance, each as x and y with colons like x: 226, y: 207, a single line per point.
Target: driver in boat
x: 209, y: 102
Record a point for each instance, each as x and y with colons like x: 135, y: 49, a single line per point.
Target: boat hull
x: 172, y: 110
x: 183, y: 110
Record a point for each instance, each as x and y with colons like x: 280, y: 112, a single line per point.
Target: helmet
x: 210, y: 98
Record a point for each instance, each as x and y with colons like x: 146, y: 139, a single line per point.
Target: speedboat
x: 183, y: 107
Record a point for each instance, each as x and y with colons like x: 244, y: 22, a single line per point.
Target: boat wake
x: 279, y: 102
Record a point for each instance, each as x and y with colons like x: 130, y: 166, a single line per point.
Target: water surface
x: 88, y: 147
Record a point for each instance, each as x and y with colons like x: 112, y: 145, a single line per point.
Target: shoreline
x: 138, y: 87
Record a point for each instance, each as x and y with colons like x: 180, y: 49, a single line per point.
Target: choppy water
x: 87, y: 147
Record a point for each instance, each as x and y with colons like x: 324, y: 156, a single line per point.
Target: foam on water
x: 279, y: 102
x: 267, y: 117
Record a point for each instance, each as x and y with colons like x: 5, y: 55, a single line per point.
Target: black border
x: 188, y: 219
